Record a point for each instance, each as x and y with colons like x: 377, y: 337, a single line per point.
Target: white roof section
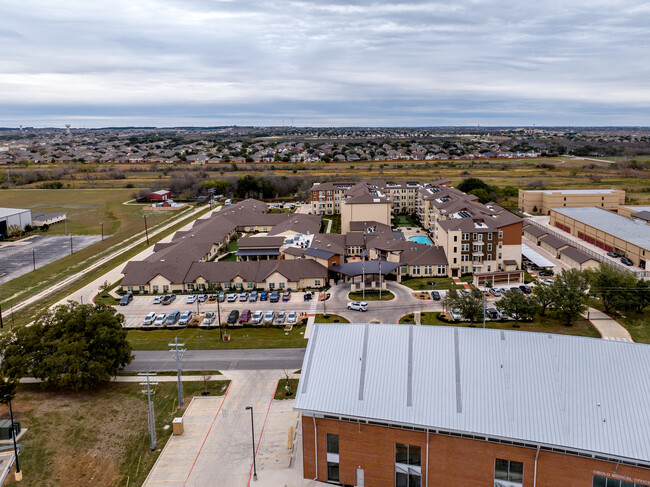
x: 535, y: 257
x: 574, y: 191
x: 5, y: 212
x: 638, y: 208
x: 575, y: 393
x: 637, y: 233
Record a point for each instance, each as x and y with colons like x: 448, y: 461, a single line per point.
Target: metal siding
x: 528, y: 386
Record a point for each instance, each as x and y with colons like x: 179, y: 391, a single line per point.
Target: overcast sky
x: 324, y: 62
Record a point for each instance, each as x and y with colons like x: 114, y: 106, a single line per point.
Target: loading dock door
x: 360, y: 477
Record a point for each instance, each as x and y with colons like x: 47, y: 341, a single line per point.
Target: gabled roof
x: 576, y: 255
x: 554, y: 242
x: 576, y: 393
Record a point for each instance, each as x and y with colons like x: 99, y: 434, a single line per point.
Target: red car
x: 245, y: 316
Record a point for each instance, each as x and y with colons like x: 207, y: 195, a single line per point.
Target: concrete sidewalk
x: 609, y: 328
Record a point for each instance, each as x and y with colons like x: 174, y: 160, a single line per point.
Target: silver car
x: 257, y: 317
x: 268, y: 317
x: 149, y: 319
x: 279, y: 318
x: 160, y: 319
x: 291, y: 317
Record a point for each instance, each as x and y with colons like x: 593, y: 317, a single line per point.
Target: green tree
x: 570, y: 294
x: 74, y: 346
x: 469, y: 184
x: 614, y: 287
x: 482, y: 195
x: 467, y: 304
x: 517, y: 305
x: 220, y: 186
x: 545, y: 297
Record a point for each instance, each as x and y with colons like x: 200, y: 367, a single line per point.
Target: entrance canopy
x: 352, y: 269
x: 534, y: 257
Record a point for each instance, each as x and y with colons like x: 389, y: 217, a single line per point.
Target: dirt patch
x: 423, y: 296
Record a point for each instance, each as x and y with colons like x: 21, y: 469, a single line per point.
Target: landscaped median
x: 543, y: 324
x: 371, y: 295
x: 434, y: 283
x: 330, y: 318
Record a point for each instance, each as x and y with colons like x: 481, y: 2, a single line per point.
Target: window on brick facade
x: 500, y: 233
x: 508, y: 473
x: 332, y: 457
x: 408, y: 466
x: 465, y: 236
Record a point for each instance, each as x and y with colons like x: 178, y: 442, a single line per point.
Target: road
x: 195, y: 360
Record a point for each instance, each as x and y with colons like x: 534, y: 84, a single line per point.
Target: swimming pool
x: 421, y: 240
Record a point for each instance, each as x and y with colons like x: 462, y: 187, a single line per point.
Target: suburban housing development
x: 288, y: 250
x: 463, y: 406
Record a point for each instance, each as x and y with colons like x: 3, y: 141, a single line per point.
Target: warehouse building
x: 542, y: 201
x: 413, y: 406
x: 606, y: 230
x: 14, y: 216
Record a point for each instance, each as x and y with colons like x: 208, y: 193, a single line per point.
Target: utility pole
x: 71, y: 252
x: 484, y: 302
x: 146, y: 230
x: 219, y: 318
x: 1, y: 325
x: 152, y: 419
x: 34, y: 258
x: 250, y: 408
x: 19, y: 474
x: 102, y: 224
x: 177, y: 351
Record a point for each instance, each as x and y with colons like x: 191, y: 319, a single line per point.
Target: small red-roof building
x: 161, y: 195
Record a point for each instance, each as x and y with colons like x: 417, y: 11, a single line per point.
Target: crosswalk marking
x: 619, y: 339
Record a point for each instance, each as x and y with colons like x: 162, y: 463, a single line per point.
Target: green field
x: 371, y: 295
x: 199, y: 339
x: 97, y: 437
x: 404, y: 220
x: 330, y: 318
x: 543, y: 324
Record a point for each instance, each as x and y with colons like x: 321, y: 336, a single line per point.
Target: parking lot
x: 18, y: 258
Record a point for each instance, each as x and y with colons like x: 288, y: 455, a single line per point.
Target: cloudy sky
x: 324, y: 62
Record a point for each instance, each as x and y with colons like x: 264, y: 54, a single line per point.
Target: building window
x: 282, y: 285
x: 489, y: 236
x: 465, y: 248
x: 408, y: 466
x: 500, y: 233
x: 129, y: 288
x: 416, y: 270
x: 226, y: 285
x: 250, y: 285
x: 475, y: 236
x: 609, y: 482
x: 271, y: 285
x: 441, y: 269
x: 489, y: 247
x: 455, y: 238
x: 465, y: 236
x: 508, y: 473
x: 141, y: 289
x: 455, y: 249
x: 455, y: 260
x: 332, y: 457
x: 403, y: 270
x: 155, y: 289
x: 238, y: 285
x: 317, y: 282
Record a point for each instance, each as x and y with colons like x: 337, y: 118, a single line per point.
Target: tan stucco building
x: 541, y: 201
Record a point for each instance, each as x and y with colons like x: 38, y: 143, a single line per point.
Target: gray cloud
x: 325, y: 62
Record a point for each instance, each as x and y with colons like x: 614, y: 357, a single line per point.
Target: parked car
x: 286, y: 296
x: 167, y: 299
x: 504, y: 290
x: 436, y: 295
x: 478, y: 293
x: 268, y: 317
x: 455, y: 315
x: 232, y: 317
x: 492, y: 314
x: 245, y: 316
x: 358, y: 306
x: 547, y: 281
x: 209, y: 318
x: 626, y: 261
x: 494, y: 292
x: 232, y: 297
x: 257, y: 317
x: 525, y: 289
x: 546, y: 272
x: 212, y: 297
x: 191, y: 299
x: 173, y: 317
x: 149, y: 319
x: 221, y: 297
x: 274, y: 297
x: 264, y: 296
x: 243, y: 296
x: 203, y: 298
x: 185, y: 318
x: 613, y: 254
x: 280, y: 317
x: 307, y: 296
x: 126, y: 299
x: 158, y: 299
x: 253, y: 297
x: 160, y: 319
x: 291, y: 317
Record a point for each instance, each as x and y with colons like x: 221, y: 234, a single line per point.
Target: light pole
x: 253, y: 437
x: 146, y: 230
x: 102, y: 224
x: 19, y: 475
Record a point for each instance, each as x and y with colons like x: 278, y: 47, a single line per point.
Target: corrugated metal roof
x: 535, y: 257
x: 571, y: 392
x: 6, y: 212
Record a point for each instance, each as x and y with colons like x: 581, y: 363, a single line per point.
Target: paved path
x: 608, y: 327
x: 461, y: 283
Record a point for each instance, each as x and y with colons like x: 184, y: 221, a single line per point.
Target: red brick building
x: 411, y: 406
x: 161, y: 195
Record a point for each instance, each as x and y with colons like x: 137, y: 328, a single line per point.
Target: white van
x: 228, y: 202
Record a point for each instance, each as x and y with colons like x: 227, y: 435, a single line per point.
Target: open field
x: 541, y: 324
x: 240, y: 338
x: 95, y: 437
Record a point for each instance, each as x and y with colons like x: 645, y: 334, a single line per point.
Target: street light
x: 19, y: 475
x: 253, y: 437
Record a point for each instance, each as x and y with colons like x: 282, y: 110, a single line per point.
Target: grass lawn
x: 105, y: 298
x: 336, y: 223
x: 371, y: 295
x: 282, y: 393
x: 404, y: 220
x: 100, y: 435
x: 419, y: 283
x: 199, y: 339
x: 544, y: 324
x: 330, y: 318
x: 638, y: 324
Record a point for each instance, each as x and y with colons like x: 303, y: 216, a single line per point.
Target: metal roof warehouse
x: 584, y: 396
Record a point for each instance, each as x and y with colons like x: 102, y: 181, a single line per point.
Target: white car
x: 157, y: 299
x: 186, y: 317
x: 291, y: 317
x: 232, y: 297
x: 149, y: 319
x: 268, y: 317
x: 160, y: 319
x: 257, y: 317
x: 547, y: 282
x: 455, y: 315
x: 191, y: 299
x: 358, y: 305
x: 209, y: 317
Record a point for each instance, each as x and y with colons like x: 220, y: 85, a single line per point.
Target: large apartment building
x: 542, y: 201
x: 476, y: 238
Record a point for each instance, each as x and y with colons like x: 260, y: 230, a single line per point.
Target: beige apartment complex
x: 542, y: 201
